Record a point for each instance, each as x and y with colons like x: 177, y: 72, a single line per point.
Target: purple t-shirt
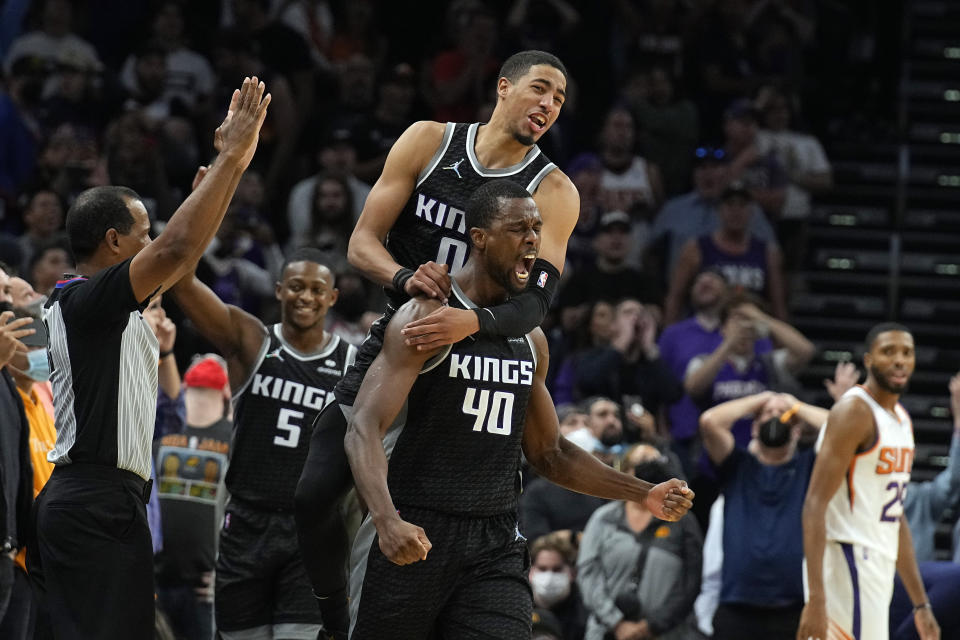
x: 743, y: 271
x: 680, y: 343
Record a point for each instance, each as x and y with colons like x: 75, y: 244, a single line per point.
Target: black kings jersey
x: 458, y: 450
x: 274, y: 413
x: 431, y: 225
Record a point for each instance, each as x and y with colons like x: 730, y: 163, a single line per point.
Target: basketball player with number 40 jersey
x: 441, y: 554
x: 410, y: 238
x: 854, y: 534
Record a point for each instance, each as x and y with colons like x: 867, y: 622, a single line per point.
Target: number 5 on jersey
x: 496, y: 411
x: 290, y: 429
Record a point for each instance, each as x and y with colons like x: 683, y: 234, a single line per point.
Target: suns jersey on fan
x: 867, y: 508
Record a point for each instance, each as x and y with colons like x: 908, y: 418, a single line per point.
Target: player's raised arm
x: 849, y: 428
x: 236, y: 334
x: 567, y: 465
x: 559, y: 204
x: 191, y: 228
x: 410, y: 154
x: 381, y: 396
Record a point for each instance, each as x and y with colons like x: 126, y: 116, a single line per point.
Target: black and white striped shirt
x: 104, y: 358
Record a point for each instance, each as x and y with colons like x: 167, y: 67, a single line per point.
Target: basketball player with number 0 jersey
x: 410, y: 238
x: 854, y: 534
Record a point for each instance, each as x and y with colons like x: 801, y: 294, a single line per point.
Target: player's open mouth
x: 524, y: 266
x: 898, y: 378
x: 538, y: 120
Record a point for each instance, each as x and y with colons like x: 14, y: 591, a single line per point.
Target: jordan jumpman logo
x: 455, y: 167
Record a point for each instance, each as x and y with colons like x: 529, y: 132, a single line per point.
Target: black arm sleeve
x: 520, y: 315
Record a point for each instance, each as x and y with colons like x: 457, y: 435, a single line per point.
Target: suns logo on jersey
x: 894, y: 460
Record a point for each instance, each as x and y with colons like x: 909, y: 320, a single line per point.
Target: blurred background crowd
x: 699, y: 133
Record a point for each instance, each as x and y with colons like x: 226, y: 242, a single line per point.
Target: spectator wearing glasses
x: 694, y: 214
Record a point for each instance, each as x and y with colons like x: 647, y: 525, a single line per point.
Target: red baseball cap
x: 207, y: 373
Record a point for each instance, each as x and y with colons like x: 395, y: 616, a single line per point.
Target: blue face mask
x: 39, y: 369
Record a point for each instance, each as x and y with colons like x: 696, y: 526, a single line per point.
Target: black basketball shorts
x: 261, y: 582
x: 472, y: 585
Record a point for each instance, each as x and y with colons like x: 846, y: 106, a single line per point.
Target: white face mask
x: 550, y: 587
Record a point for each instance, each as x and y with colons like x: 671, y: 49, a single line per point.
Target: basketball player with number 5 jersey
x: 854, y: 534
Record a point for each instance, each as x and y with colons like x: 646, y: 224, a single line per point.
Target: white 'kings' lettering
x: 491, y: 369
x: 446, y: 217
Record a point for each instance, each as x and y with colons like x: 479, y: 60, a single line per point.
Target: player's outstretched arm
x: 564, y: 463
x: 236, y: 334
x: 384, y: 390
x: 410, y: 155
x: 191, y: 228
x: 927, y: 627
x: 559, y: 204
x: 849, y: 427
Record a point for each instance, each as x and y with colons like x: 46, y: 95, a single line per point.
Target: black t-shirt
x: 589, y: 285
x: 191, y: 466
x: 104, y: 359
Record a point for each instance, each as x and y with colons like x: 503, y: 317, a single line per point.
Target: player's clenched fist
x: 402, y: 542
x: 670, y: 500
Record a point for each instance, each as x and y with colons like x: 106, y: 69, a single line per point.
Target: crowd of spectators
x: 684, y: 132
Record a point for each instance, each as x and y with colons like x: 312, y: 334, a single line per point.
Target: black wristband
x: 164, y: 354
x: 486, y: 321
x: 400, y: 279
x: 925, y: 605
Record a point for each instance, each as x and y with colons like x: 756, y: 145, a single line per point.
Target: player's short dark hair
x: 883, y: 327
x: 517, y: 65
x: 484, y: 204
x: 305, y: 254
x: 93, y: 213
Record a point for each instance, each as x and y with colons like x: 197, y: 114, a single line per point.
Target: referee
x: 90, y: 558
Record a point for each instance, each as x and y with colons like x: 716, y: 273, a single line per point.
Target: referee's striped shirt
x: 104, y: 358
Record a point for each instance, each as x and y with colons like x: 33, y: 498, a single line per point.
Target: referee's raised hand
x: 237, y: 135
x: 10, y: 334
